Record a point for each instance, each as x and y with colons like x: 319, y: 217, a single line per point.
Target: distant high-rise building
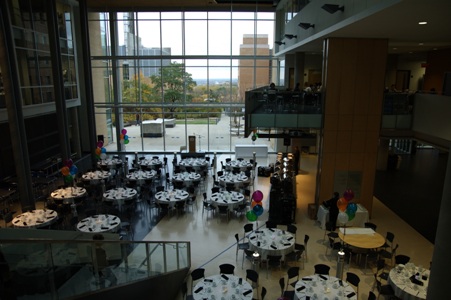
x: 133, y: 46
x: 254, y: 45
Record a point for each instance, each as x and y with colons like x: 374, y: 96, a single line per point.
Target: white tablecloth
x: 186, y: 178
x: 219, y: 287
x: 99, y: 223
x: 231, y: 199
x: 242, y: 164
x: 68, y: 194
x: 237, y: 179
x: 323, y: 287
x: 109, y: 163
x: 150, y: 163
x: 399, y: 279
x: 197, y: 163
x: 141, y: 176
x: 271, y: 241
x: 119, y: 195
x: 35, y: 219
x: 96, y: 176
x: 171, y: 197
x: 361, y: 217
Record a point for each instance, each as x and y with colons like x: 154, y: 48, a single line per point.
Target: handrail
x: 69, y: 268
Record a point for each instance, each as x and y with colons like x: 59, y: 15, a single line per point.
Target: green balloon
x: 251, y: 216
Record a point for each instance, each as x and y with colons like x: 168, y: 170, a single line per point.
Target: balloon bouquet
x: 68, y: 171
x: 257, y: 206
x: 124, y: 137
x: 346, y: 207
x: 100, y: 150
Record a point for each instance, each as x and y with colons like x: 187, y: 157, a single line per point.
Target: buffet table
x: 361, y: 217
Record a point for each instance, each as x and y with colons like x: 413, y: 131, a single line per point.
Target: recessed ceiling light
x: 422, y: 23
x: 421, y: 44
x: 395, y: 48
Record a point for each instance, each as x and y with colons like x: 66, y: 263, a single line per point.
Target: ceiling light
x: 290, y: 36
x: 279, y: 43
x: 306, y: 25
x: 332, y: 8
x: 422, y: 23
x: 421, y: 44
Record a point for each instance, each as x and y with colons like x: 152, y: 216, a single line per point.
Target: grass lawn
x: 203, y: 121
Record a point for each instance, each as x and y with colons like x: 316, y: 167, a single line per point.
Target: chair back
x: 402, y: 259
x: 322, y: 269
x: 227, y: 269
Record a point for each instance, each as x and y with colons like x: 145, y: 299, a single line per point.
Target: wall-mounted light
x: 279, y: 43
x: 290, y: 36
x: 332, y: 8
x: 306, y: 25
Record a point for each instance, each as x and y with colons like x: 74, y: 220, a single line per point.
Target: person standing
x: 297, y: 159
x: 137, y: 119
x: 331, y: 204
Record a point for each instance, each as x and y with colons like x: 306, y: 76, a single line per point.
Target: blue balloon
x: 73, y: 170
x: 352, y: 207
x: 125, y: 137
x: 103, y: 150
x: 258, y: 210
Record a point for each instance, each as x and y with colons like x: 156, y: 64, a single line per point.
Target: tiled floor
x: 213, y: 243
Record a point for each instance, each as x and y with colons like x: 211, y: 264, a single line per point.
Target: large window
x: 165, y: 76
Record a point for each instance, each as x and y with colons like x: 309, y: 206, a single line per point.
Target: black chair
x: 371, y: 296
x: 292, y: 229
x: 223, y: 210
x: 389, y: 238
x: 353, y: 279
x: 185, y: 294
x: 196, y: 274
x: 384, y: 290
x: 329, y: 230
x: 207, y: 207
x: 249, y: 227
x: 303, y: 248
x: 263, y: 293
x: 273, y: 261
x: 370, y: 225
x: 283, y: 292
x: 401, y: 259
x: 252, y: 276
x: 332, y: 246
x: 270, y: 224
x: 292, y: 273
x: 240, y: 246
x: 227, y: 269
x: 322, y: 269
x: 386, y: 254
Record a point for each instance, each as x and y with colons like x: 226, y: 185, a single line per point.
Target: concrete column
x: 299, y: 63
x: 382, y: 154
x: 441, y: 264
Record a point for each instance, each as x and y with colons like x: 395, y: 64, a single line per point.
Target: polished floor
x: 213, y: 243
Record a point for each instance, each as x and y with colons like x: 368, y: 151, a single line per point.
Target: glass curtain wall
x: 167, y: 76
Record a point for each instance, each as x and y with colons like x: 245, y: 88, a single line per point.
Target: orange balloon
x: 342, y: 204
x: 253, y: 203
x: 65, y: 171
x: 98, y: 151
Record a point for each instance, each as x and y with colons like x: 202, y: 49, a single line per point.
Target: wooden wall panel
x: 354, y: 84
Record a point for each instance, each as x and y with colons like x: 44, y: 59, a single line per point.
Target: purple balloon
x: 257, y: 196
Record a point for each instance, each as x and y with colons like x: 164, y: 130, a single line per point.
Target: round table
x: 95, y: 177
x: 406, y: 286
x: 237, y: 179
x: 219, y: 287
x: 198, y: 164
x: 150, y: 164
x: 186, y: 178
x: 364, y: 238
x: 112, y: 163
x: 271, y: 241
x: 171, y: 197
x: 323, y: 287
x: 99, y: 223
x: 231, y: 199
x: 35, y: 219
x: 242, y: 165
x: 120, y: 195
x: 68, y: 194
x: 141, y: 176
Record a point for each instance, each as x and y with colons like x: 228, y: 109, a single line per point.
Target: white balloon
x: 342, y: 217
x: 103, y: 155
